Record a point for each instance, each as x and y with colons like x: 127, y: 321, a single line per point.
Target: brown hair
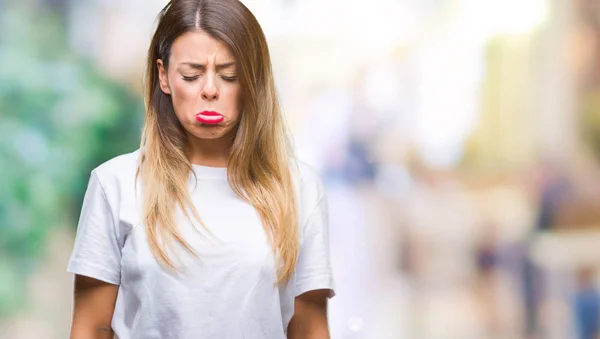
x: 261, y: 154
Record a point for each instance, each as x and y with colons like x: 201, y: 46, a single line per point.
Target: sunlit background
x: 459, y: 141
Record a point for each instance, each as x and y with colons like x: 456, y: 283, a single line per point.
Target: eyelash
x: 192, y: 78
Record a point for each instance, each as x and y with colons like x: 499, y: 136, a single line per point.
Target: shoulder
x: 117, y: 179
x: 310, y: 187
x: 308, y: 177
x: 118, y: 170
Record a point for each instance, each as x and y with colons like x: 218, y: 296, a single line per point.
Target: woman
x: 211, y: 229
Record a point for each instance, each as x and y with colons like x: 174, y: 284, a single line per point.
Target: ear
x: 163, y: 80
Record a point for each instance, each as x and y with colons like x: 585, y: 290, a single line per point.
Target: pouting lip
x: 210, y: 119
x: 210, y: 113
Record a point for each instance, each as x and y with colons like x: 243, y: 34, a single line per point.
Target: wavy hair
x: 261, y: 154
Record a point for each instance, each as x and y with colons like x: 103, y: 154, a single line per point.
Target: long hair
x: 261, y: 154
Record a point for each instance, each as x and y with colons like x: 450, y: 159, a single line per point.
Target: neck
x: 210, y: 152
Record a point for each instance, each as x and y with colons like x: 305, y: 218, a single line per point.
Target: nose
x: 210, y: 91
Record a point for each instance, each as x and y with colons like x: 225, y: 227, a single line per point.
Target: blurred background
x: 459, y: 141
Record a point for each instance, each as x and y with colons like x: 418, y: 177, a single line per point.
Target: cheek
x: 231, y: 98
x: 184, y: 94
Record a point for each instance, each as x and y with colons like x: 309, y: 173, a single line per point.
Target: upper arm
x: 313, y: 301
x: 97, y: 249
x: 313, y: 269
x: 94, y: 304
x: 96, y: 263
x: 314, y: 283
x: 310, y: 316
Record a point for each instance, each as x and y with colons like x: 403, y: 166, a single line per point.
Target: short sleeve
x: 96, y: 252
x: 313, y: 270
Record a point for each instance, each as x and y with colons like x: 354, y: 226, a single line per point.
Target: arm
x: 310, y: 316
x: 93, y: 308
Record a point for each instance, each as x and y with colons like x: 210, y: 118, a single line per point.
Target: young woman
x: 212, y: 229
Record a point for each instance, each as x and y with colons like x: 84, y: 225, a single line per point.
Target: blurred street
x: 459, y: 142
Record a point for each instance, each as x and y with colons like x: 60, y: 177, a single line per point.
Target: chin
x: 209, y: 136
x: 209, y: 132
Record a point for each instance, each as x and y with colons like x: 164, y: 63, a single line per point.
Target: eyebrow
x: 202, y: 66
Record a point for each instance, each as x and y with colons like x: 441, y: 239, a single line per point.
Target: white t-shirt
x: 229, y: 290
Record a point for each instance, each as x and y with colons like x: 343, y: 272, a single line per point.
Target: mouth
x: 209, y: 117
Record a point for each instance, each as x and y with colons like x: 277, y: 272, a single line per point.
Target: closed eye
x: 195, y: 77
x: 192, y: 78
x: 229, y: 79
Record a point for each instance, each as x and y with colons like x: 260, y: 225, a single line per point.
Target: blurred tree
x: 588, y: 16
x: 59, y: 118
x: 590, y: 122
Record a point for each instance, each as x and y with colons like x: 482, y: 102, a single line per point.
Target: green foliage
x: 590, y: 121
x: 59, y: 118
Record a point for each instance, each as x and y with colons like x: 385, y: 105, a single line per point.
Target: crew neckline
x: 209, y: 172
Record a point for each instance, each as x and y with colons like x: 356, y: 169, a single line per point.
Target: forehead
x: 198, y: 46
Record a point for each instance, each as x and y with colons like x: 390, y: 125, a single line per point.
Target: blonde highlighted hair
x: 261, y: 153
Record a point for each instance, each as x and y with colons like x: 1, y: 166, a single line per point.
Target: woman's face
x: 202, y: 81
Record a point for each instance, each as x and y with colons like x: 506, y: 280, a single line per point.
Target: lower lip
x: 209, y: 119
